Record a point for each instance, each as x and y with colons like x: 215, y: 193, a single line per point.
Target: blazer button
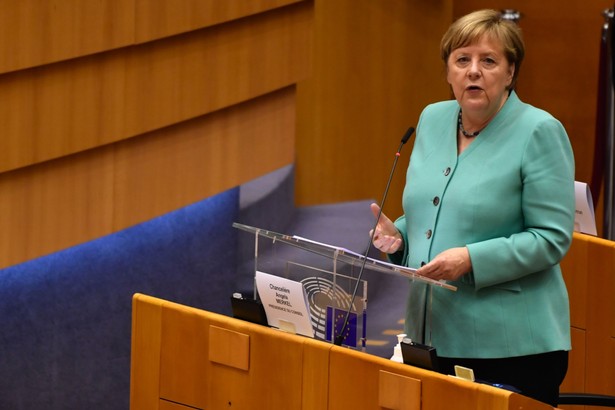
x: 447, y: 171
x: 428, y: 233
x: 436, y: 201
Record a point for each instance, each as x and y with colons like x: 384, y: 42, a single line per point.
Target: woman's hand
x: 386, y: 238
x: 448, y: 265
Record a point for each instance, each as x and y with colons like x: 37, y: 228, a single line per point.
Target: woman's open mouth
x: 473, y: 88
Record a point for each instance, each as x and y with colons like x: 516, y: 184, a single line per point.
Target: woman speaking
x: 489, y: 207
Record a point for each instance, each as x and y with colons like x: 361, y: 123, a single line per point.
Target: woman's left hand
x: 448, y: 265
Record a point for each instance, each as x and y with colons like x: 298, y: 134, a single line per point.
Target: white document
x: 584, y: 218
x: 285, y: 303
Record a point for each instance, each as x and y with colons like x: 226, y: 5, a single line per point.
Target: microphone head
x: 407, y: 135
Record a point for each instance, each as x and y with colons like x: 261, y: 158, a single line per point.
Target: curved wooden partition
x: 589, y: 270
x: 117, y: 111
x: 185, y: 358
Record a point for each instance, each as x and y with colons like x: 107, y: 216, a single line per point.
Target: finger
x: 429, y: 270
x: 375, y: 210
x: 395, y: 246
x: 389, y: 244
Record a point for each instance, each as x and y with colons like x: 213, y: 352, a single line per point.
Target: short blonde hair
x: 471, y: 27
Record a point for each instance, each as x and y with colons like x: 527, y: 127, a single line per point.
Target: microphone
x: 339, y: 338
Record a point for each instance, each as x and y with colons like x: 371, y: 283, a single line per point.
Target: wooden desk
x: 589, y: 271
x: 188, y: 358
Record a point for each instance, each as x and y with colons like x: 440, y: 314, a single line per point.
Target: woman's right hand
x: 386, y: 238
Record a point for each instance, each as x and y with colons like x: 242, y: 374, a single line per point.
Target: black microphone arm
x: 339, y: 338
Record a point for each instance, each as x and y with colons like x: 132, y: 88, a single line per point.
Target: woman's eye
x: 489, y: 61
x: 462, y: 60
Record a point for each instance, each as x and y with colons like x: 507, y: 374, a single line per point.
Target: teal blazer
x: 509, y: 198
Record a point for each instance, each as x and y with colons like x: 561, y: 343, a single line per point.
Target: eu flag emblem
x: 335, y: 320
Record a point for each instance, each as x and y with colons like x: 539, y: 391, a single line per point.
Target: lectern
x: 332, y: 277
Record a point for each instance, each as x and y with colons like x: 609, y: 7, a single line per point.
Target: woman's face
x: 480, y: 75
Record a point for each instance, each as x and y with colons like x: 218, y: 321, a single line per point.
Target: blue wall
x: 66, y: 317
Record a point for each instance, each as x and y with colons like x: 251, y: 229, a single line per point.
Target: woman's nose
x: 474, y: 69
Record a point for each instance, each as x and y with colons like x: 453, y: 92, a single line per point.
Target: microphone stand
x: 339, y: 338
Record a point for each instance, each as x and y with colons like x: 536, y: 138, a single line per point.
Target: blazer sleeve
x: 547, y: 205
x: 400, y: 258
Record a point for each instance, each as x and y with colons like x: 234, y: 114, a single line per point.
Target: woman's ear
x: 511, y: 74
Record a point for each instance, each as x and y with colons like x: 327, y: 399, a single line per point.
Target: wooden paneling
x: 60, y: 203
x: 163, y: 18
x: 352, y: 371
x: 575, y: 378
x: 60, y: 109
x: 275, y: 378
x: 117, y: 133
x: 169, y: 405
x: 68, y: 107
x: 190, y: 376
x: 185, y: 76
x: 35, y: 32
x: 376, y: 65
x: 600, y: 266
x: 54, y: 205
x: 288, y: 371
x: 590, y: 266
x: 145, y: 352
x: 399, y: 392
x: 229, y: 348
x: 315, y: 375
x: 179, y: 165
x: 576, y: 277
x: 184, y: 350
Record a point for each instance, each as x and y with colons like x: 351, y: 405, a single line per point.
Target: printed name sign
x: 285, y: 303
x: 584, y: 219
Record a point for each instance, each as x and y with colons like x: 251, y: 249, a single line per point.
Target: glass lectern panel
x: 331, y: 277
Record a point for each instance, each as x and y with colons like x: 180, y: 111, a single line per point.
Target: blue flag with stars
x: 335, y: 320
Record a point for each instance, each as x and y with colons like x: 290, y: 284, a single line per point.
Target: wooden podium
x: 187, y: 358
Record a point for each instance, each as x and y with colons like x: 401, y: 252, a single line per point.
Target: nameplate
x: 285, y: 303
x: 584, y: 218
